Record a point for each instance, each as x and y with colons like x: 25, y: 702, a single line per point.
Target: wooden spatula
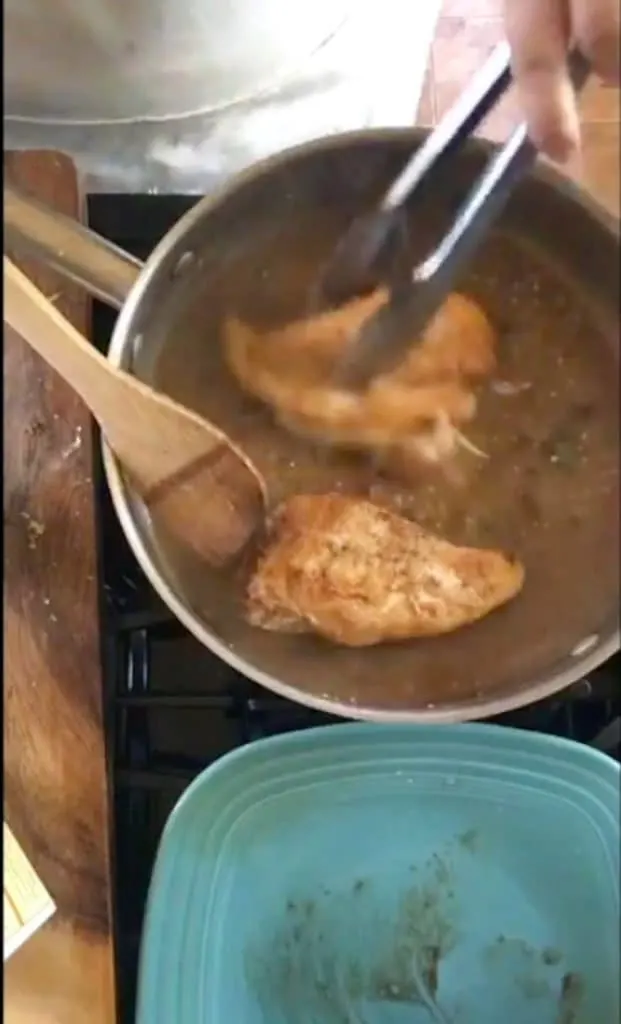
x: 189, y: 474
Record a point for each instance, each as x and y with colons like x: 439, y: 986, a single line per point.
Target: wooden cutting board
x: 55, y: 772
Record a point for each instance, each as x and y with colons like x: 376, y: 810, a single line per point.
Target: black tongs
x: 416, y: 296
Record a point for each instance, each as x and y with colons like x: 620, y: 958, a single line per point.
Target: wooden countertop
x: 55, y: 777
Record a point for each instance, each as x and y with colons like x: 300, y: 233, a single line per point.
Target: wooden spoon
x: 202, y: 488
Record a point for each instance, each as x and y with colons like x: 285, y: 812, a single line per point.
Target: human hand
x: 539, y: 33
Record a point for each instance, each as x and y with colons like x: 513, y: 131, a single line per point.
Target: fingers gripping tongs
x: 414, y: 299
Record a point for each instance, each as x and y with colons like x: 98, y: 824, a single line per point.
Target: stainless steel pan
x: 552, y: 269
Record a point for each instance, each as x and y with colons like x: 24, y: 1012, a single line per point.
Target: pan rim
x: 550, y: 681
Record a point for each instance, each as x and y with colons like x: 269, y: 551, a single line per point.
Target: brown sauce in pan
x: 549, y: 422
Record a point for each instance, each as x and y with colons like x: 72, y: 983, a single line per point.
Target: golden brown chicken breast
x: 359, y: 574
x: 414, y: 409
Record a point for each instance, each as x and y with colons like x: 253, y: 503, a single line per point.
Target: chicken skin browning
x: 358, y: 574
x: 414, y: 410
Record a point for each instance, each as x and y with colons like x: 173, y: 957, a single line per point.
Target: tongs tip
x: 367, y: 253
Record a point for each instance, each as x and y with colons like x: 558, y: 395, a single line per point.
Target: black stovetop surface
x: 172, y: 707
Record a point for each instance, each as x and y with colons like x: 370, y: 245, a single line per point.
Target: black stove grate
x: 159, y: 737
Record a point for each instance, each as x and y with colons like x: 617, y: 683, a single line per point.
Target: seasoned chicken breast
x: 359, y: 574
x: 413, y: 409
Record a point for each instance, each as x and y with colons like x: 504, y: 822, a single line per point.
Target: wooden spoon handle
x: 207, y: 490
x: 46, y: 330
x: 154, y: 437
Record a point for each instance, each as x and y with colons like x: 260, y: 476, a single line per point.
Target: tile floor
x: 466, y: 32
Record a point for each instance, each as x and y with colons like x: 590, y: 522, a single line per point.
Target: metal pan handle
x: 104, y: 270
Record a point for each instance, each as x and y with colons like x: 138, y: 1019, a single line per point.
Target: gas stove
x: 172, y: 707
